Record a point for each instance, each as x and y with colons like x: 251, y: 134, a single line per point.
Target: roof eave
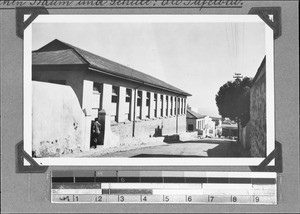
x: 108, y: 72
x: 51, y: 66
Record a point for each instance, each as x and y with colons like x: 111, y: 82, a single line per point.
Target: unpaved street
x: 196, y: 148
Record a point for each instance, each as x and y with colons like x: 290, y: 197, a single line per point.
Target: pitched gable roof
x: 60, y: 53
x: 62, y: 57
x: 194, y: 115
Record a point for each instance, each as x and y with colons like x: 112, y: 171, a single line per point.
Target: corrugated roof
x: 62, y: 57
x: 59, y: 53
x: 194, y: 115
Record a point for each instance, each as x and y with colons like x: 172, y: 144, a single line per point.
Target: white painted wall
x: 58, y: 122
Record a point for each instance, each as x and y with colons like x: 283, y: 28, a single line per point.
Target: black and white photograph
x: 149, y: 106
x: 154, y: 88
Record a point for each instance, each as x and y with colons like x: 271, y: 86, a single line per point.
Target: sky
x: 195, y: 57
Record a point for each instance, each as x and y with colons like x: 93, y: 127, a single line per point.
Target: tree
x: 233, y: 100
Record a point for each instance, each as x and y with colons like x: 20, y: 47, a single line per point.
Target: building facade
x: 203, y: 124
x: 130, y: 103
x: 229, y: 129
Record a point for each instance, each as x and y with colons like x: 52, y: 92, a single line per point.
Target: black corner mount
x: 271, y: 16
x: 34, y: 167
x: 275, y: 154
x: 21, y: 25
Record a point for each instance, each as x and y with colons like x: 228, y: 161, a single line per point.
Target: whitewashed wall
x: 58, y: 123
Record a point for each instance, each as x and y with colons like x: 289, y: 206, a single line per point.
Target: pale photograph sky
x: 195, y: 57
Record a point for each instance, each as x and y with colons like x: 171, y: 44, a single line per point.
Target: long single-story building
x: 132, y: 103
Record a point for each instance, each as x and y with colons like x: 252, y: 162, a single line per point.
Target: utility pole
x: 237, y: 76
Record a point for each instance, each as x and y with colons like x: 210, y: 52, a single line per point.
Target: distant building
x: 193, y: 120
x: 218, y: 124
x: 204, y: 124
x: 229, y: 128
x: 134, y: 103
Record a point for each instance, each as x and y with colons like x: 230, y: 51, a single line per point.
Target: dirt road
x: 196, y: 148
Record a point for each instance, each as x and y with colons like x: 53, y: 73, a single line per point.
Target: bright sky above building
x: 195, y: 57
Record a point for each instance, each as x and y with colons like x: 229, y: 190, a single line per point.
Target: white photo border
x: 59, y: 161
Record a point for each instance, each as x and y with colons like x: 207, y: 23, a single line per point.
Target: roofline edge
x: 135, y: 80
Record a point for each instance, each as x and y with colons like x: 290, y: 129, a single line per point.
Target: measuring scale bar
x: 248, y: 188
x: 190, y: 198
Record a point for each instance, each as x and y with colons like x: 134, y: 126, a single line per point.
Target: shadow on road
x: 165, y: 156
x: 199, y: 141
x: 227, y: 149
x: 222, y: 148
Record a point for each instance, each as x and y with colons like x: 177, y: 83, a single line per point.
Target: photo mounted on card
x: 148, y: 90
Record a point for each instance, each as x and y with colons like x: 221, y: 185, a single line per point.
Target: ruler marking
x: 109, y: 189
x: 88, y: 186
